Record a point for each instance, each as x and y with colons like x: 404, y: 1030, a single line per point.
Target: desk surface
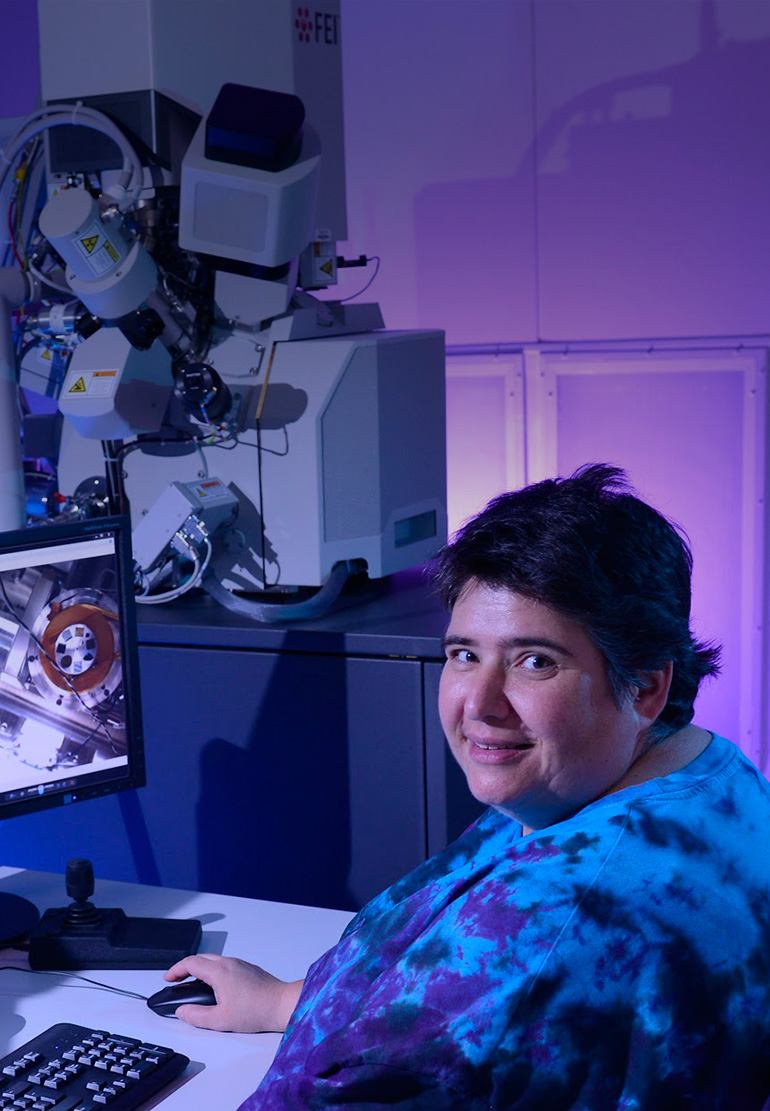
x: 225, y: 1068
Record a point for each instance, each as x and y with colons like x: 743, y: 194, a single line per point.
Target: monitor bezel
x: 135, y: 776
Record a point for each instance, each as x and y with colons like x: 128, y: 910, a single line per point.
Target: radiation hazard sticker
x: 97, y: 249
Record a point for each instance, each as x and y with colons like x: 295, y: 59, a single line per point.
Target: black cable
x: 115, y: 489
x: 258, y: 446
x: 104, y: 590
x: 73, y: 975
x: 80, y: 744
x: 263, y: 537
x: 372, y: 258
x: 198, y: 442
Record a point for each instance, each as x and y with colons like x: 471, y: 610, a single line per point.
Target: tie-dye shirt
x: 616, y: 961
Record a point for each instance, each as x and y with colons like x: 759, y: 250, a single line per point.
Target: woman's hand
x: 249, y: 1000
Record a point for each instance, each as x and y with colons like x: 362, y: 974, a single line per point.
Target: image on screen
x: 63, y: 703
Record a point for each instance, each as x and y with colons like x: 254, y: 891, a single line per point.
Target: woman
x: 600, y: 937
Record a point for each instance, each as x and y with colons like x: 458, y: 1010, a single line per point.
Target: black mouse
x: 166, y: 1001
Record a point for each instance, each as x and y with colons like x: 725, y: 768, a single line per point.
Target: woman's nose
x: 486, y: 698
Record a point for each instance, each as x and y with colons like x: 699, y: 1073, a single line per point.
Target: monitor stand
x: 17, y: 917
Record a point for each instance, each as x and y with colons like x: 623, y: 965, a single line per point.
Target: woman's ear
x: 651, y: 695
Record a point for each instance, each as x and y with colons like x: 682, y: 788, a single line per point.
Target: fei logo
x: 317, y: 27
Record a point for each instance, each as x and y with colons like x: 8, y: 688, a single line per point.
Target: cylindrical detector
x: 110, y: 276
x: 73, y: 226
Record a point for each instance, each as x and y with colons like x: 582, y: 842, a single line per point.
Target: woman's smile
x: 487, y: 752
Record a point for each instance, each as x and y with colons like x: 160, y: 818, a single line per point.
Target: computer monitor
x: 70, y: 716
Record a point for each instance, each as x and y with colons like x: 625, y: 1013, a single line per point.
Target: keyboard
x: 72, y: 1068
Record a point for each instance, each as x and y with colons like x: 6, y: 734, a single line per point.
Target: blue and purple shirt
x: 616, y: 961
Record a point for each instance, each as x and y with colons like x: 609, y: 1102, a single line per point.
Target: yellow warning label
x: 79, y: 387
x: 328, y: 267
x: 46, y: 355
x: 111, y: 251
x: 89, y: 243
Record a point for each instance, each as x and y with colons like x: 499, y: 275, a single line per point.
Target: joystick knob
x: 79, y: 881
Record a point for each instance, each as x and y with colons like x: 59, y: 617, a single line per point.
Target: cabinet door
x: 282, y: 776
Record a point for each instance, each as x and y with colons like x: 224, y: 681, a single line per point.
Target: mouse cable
x: 75, y: 976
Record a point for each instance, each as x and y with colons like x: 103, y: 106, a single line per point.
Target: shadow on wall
x: 651, y: 200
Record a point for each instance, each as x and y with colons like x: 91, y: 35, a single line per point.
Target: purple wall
x: 653, y: 169
x: 19, y: 73
x: 562, y: 169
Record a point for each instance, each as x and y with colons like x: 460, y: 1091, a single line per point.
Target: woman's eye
x: 537, y: 662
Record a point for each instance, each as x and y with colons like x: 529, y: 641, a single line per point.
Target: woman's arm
x: 249, y: 1000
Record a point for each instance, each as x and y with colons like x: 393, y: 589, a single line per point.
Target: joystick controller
x: 83, y: 936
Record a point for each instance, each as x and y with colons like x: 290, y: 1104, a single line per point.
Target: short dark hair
x: 589, y: 548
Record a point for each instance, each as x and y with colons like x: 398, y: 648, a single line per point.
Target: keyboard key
x: 17, y: 1088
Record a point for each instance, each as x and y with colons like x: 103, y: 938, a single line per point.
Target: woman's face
x: 527, y: 708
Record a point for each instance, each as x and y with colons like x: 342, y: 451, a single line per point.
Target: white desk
x: 225, y: 1068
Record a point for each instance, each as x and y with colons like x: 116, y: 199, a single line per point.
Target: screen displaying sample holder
x: 70, y: 720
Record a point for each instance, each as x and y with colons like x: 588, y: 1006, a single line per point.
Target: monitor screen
x: 70, y: 717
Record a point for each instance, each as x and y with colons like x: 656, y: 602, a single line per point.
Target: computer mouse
x: 166, y: 1001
